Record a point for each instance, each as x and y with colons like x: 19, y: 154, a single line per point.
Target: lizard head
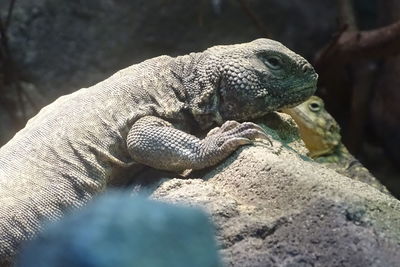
x: 318, y: 129
x: 255, y: 78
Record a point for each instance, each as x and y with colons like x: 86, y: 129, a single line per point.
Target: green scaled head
x: 255, y: 78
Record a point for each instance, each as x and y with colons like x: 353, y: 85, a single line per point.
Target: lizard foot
x: 233, y: 134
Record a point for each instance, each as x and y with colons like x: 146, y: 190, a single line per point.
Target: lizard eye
x: 273, y: 62
x: 314, y: 106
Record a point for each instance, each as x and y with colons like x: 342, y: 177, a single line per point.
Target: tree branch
x: 346, y: 15
x: 355, y: 45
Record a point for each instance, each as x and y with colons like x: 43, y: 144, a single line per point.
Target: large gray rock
x: 273, y: 206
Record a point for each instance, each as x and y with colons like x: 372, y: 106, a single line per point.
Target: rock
x: 273, y: 206
x: 118, y: 230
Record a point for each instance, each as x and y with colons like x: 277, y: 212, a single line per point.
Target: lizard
x: 148, y: 114
x: 321, y: 135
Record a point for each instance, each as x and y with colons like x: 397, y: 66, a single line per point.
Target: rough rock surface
x: 272, y: 206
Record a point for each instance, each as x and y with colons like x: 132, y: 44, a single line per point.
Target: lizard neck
x: 200, y: 87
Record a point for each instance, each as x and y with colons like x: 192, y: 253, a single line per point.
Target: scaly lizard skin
x: 142, y: 115
x: 321, y: 135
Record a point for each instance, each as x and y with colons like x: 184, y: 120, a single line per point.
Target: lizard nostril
x: 306, y: 68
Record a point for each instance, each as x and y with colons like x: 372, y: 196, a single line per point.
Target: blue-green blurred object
x: 119, y: 230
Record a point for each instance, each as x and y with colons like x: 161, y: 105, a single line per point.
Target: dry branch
x: 351, y: 46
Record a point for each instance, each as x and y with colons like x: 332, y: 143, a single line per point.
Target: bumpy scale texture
x: 146, y: 114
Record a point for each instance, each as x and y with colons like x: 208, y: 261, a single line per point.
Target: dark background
x: 51, y: 47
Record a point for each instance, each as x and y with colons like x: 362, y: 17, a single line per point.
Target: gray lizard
x: 142, y: 115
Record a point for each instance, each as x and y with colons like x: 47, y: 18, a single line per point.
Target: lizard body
x: 142, y: 115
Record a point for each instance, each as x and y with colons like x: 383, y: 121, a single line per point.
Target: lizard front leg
x: 156, y: 143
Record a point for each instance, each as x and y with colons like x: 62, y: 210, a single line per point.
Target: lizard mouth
x: 303, y: 92
x: 299, y: 95
x: 305, y: 88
